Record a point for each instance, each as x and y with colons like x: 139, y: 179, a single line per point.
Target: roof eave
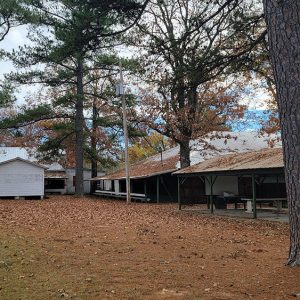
x: 255, y: 171
x: 133, y: 177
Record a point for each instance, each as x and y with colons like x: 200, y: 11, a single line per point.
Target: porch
x: 248, y: 184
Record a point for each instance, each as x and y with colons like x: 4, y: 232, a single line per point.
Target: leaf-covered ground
x: 88, y: 248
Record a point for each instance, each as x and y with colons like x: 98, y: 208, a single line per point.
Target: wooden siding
x: 18, y: 178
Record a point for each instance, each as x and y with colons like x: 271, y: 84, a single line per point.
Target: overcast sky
x: 15, y: 38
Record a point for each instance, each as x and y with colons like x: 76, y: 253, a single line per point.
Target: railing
x: 120, y: 195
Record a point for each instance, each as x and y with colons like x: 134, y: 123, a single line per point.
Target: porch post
x: 145, y: 187
x: 157, y: 189
x: 211, y: 196
x: 254, y: 197
x: 178, y: 192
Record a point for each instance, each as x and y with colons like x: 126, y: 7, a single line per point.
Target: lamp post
x: 160, y: 150
x: 120, y: 92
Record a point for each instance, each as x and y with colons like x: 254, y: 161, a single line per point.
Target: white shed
x: 20, y: 177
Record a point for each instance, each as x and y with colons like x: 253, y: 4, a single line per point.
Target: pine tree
x: 75, y: 30
x: 283, y: 20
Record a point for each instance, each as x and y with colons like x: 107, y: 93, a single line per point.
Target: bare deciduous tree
x: 190, y: 46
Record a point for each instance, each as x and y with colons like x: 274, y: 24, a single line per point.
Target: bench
x: 277, y: 201
x: 119, y: 195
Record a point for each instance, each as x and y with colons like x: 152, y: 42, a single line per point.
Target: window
x: 54, y: 184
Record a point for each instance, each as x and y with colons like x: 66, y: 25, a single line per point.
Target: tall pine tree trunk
x: 283, y: 21
x: 94, y: 147
x: 79, y: 119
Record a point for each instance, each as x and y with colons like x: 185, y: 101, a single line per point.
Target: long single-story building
x: 250, y: 177
x: 60, y: 180
x: 152, y: 178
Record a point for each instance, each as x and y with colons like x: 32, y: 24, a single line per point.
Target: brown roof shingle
x: 149, y: 167
x: 262, y: 159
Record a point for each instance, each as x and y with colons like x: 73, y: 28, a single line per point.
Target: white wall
x: 117, y: 186
x: 18, y: 178
x: 223, y: 184
x: 70, y: 173
x: 107, y: 185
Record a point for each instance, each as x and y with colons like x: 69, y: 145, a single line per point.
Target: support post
x: 157, y: 188
x: 121, y: 91
x: 254, y: 197
x: 211, y: 195
x: 145, y: 187
x: 178, y: 195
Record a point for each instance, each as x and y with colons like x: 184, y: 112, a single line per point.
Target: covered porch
x: 155, y: 188
x: 249, y: 184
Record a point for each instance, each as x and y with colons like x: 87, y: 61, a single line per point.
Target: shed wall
x: 18, y: 178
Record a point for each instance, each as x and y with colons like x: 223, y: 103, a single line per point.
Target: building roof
x: 23, y: 160
x: 55, y: 166
x: 215, y: 144
x: 254, y: 160
x: 149, y: 167
x: 49, y: 174
x: 219, y: 143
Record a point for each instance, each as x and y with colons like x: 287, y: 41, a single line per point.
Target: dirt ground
x: 88, y: 248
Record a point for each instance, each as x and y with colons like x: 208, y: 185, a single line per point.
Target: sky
x: 15, y: 38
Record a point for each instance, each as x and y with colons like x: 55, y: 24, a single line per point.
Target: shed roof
x: 24, y: 160
x: 254, y: 160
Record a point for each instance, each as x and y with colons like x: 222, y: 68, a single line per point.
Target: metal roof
x: 254, y: 160
x: 24, y: 160
x: 146, y: 168
x: 55, y: 166
x: 214, y: 144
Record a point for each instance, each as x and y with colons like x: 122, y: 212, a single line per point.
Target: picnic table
x: 277, y: 201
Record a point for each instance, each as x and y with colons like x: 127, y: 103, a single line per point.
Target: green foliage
x: 6, y: 95
x: 106, y: 162
x: 28, y: 116
x: 64, y: 35
x: 59, y: 136
x: 12, y: 13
